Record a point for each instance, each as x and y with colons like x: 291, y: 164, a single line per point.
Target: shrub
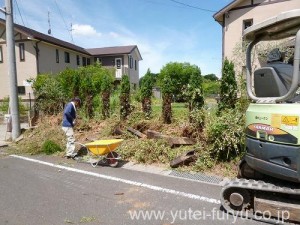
x: 53, y: 91
x: 211, y: 77
x: 149, y: 151
x: 115, y: 102
x: 146, y: 93
x: 69, y: 79
x: 106, y: 89
x: 49, y: 147
x: 167, y: 96
x: 49, y: 94
x: 226, y: 138
x: 211, y: 88
x: 4, y: 105
x: 125, y: 97
x: 228, y: 88
x: 204, y: 161
x: 194, y: 95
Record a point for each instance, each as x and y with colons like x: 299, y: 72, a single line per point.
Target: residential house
x: 125, y: 60
x: 38, y: 53
x: 240, y: 14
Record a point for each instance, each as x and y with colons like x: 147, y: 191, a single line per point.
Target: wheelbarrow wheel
x: 112, y: 162
x: 112, y: 159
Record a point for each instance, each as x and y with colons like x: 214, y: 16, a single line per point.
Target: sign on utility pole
x: 12, y: 70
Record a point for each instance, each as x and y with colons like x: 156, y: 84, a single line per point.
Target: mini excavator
x: 268, y: 183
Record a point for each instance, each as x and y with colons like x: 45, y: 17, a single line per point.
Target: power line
x: 194, y: 7
x: 162, y: 3
x: 20, y: 12
x: 70, y: 31
x: 16, y: 2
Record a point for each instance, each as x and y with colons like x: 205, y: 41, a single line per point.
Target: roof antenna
x: 49, y: 30
x: 71, y: 30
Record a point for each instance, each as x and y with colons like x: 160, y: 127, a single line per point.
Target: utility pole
x: 12, y: 70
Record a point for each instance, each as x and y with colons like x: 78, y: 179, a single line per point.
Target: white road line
x: 139, y: 184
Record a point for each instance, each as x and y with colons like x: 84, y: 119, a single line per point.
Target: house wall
x: 25, y: 69
x: 4, y: 84
x: 47, y: 58
x: 134, y: 71
x: 233, y: 26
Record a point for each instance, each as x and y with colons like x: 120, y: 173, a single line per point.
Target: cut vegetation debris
x: 156, y: 143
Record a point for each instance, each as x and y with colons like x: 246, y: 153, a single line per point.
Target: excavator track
x: 261, y: 201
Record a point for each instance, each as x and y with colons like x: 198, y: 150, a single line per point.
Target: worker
x: 69, y: 119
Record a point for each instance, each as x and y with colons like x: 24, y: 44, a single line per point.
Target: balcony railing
x: 119, y: 72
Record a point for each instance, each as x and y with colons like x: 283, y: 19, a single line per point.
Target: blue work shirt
x: 69, y: 115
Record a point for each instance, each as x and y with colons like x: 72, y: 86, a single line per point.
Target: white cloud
x: 114, y: 34
x: 84, y: 30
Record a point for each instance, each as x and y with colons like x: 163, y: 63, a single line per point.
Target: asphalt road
x: 57, y: 191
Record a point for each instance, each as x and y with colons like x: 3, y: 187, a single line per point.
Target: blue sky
x: 163, y: 30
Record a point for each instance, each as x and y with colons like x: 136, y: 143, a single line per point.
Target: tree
x: 70, y: 82
x: 125, y: 98
x: 179, y: 74
x: 85, y: 82
x: 106, y: 89
x: 90, y: 84
x: 228, y: 88
x: 167, y: 95
x: 169, y: 82
x: 195, y: 93
x: 154, y: 76
x: 211, y: 77
x: 211, y: 88
x: 146, y: 93
x: 173, y: 81
x: 48, y: 94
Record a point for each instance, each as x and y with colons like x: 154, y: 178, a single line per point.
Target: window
x: 57, y: 56
x: 83, y: 61
x: 135, y: 64
x: 77, y: 60
x: 22, y: 51
x: 118, y: 62
x: 21, y: 90
x: 247, y: 23
x: 88, y: 61
x: 130, y: 62
x: 1, y: 55
x: 67, y: 57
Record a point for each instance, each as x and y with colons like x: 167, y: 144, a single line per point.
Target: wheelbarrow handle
x: 83, y: 145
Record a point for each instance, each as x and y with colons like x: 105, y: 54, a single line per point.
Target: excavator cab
x: 272, y: 131
x: 272, y: 121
